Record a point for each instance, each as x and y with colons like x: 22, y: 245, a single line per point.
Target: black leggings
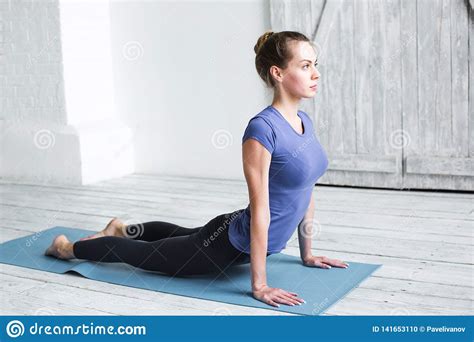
x: 168, y: 248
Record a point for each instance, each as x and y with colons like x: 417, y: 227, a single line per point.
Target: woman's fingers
x: 273, y: 303
x: 274, y: 296
x: 286, y: 300
x: 289, y: 296
x: 325, y: 262
x: 280, y: 296
x: 320, y: 264
x: 286, y: 292
x: 335, y: 262
x: 292, y: 293
x: 294, y: 298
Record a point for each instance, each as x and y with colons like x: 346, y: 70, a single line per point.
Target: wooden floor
x: 423, y: 239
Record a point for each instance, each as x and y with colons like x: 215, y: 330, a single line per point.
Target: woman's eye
x: 307, y: 65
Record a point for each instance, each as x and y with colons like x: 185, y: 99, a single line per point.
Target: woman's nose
x: 316, y: 73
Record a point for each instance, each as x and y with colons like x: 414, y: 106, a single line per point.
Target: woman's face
x: 300, y: 78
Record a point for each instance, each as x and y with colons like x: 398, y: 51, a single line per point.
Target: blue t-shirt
x: 297, y: 162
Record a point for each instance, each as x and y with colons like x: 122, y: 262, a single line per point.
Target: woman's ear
x: 275, y: 72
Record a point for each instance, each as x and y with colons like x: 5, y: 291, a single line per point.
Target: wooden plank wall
x: 393, y: 106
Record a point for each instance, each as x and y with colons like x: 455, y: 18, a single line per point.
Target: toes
x: 60, y: 239
x: 53, y: 249
x: 110, y: 222
x: 50, y: 251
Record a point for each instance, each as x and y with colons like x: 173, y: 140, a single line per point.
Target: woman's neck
x: 289, y: 109
x: 286, y: 104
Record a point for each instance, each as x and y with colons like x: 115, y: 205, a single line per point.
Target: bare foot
x: 61, y: 248
x: 114, y: 228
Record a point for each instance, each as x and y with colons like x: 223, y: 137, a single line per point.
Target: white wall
x: 183, y: 71
x: 84, y: 83
x: 57, y: 121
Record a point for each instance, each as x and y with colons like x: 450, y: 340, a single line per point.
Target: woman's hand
x: 273, y: 296
x: 324, y: 262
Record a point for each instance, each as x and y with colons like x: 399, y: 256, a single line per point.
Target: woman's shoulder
x: 261, y: 129
x: 263, y: 118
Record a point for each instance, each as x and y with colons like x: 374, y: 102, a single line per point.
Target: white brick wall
x: 57, y: 121
x: 30, y: 68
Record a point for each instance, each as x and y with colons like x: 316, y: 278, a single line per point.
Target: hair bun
x: 261, y: 40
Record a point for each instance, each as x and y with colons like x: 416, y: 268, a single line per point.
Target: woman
x: 282, y: 161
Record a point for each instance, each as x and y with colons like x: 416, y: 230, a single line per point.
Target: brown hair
x: 272, y: 48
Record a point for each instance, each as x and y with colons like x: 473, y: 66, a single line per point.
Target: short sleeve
x: 261, y: 131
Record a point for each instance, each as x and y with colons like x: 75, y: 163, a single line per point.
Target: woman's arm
x: 256, y: 162
x: 305, y: 231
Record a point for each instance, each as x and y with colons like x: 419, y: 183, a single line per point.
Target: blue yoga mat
x: 321, y: 288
